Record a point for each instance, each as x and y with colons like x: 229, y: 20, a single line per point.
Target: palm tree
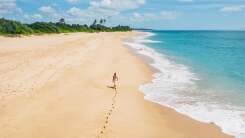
x: 62, y: 21
x: 94, y: 23
x: 101, y: 21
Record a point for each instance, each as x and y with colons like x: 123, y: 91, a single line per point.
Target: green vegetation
x: 10, y: 27
x: 13, y: 27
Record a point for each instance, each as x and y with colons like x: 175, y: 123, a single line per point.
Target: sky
x: 152, y: 14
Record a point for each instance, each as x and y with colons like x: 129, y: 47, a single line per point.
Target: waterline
x: 175, y: 86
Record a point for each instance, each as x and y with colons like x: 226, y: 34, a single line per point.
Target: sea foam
x: 174, y: 86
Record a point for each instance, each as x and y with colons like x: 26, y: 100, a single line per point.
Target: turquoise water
x: 199, y: 73
x: 217, y: 57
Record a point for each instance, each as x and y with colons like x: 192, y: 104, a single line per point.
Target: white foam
x: 174, y: 86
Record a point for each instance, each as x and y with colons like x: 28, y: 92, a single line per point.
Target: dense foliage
x: 10, y: 27
x: 13, y: 27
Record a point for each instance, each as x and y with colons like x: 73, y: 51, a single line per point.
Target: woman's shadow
x: 111, y: 87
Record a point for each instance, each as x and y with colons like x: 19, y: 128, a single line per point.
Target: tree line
x: 11, y: 27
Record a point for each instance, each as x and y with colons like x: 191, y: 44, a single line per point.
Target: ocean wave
x: 142, y: 38
x: 174, y: 86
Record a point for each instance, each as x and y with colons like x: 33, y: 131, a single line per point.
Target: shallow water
x: 202, y: 74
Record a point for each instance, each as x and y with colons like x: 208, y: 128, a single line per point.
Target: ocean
x: 198, y: 73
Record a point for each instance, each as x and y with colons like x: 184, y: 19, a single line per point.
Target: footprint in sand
x: 108, y: 115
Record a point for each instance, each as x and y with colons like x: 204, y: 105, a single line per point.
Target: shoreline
x: 138, y: 45
x: 148, y: 60
x: 58, y: 88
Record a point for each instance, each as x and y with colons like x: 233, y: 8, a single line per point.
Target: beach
x: 59, y: 86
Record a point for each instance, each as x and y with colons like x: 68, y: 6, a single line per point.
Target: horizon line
x: 147, y: 29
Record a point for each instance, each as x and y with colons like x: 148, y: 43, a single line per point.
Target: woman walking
x: 114, y: 79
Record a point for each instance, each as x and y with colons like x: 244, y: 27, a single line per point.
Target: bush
x: 14, y: 28
x: 43, y: 27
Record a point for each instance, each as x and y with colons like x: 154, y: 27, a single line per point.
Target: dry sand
x: 55, y: 86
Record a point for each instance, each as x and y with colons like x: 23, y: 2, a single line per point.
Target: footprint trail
x: 108, y: 115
